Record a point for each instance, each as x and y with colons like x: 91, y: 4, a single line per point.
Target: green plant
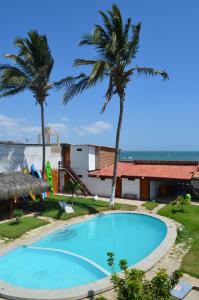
x: 116, y: 43
x: 180, y: 202
x: 17, y: 214
x: 73, y: 187
x: 132, y: 285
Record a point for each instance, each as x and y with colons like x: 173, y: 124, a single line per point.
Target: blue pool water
x: 38, y: 269
x: 128, y: 236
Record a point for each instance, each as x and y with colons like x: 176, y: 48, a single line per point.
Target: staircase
x: 74, y: 177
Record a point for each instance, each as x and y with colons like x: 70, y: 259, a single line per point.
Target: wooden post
x: 41, y: 203
x: 11, y: 207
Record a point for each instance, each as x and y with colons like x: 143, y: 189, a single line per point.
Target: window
x: 131, y: 179
x: 102, y: 178
x: 80, y: 176
x: 79, y: 149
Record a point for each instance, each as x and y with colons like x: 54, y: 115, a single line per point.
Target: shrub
x: 180, y: 202
x: 17, y: 214
x: 132, y: 285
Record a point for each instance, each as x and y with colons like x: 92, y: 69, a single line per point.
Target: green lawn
x: 13, y: 230
x: 190, y: 219
x: 150, y: 205
x: 82, y: 206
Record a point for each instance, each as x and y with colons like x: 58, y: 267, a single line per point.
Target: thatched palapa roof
x: 18, y: 184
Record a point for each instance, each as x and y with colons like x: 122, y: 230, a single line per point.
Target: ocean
x: 160, y: 155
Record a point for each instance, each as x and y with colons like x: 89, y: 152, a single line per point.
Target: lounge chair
x: 181, y: 290
x: 67, y: 207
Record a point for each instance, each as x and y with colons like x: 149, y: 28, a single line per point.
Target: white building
x: 145, y: 180
x: 85, y: 158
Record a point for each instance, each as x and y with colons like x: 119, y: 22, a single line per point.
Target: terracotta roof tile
x: 164, y: 171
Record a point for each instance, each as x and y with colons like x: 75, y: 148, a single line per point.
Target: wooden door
x: 118, y: 189
x: 144, y: 189
x: 66, y: 156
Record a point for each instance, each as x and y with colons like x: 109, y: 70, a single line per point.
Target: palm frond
x: 11, y: 91
x: 22, y: 64
x: 151, y: 72
x: 127, y: 27
x: 131, y: 47
x: 68, y: 81
x: 86, y: 39
x: 78, y: 86
x: 65, y: 82
x: 35, y: 51
x: 79, y: 62
x: 109, y: 94
x: 12, y: 76
x: 102, y: 32
x: 117, y: 24
x: 97, y: 72
x: 107, y: 23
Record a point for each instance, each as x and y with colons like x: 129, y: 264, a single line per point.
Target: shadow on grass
x: 59, y: 214
x: 89, y: 208
x: 175, y: 211
x: 14, y: 223
x: 81, y: 208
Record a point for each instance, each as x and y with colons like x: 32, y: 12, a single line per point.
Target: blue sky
x: 158, y: 115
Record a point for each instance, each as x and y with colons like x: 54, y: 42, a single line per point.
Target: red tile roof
x: 196, y: 175
x: 164, y: 171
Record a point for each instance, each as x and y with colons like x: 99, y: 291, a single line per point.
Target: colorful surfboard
x: 37, y: 173
x: 49, y: 177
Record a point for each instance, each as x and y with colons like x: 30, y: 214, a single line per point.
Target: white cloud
x: 15, y: 127
x: 59, y: 128
x: 93, y: 128
x: 8, y: 122
x: 31, y: 129
x: 65, y: 119
x: 18, y: 128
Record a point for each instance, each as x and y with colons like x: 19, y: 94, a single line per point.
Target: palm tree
x: 30, y: 70
x: 116, y: 44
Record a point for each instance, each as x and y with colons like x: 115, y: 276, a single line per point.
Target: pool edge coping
x: 13, y: 292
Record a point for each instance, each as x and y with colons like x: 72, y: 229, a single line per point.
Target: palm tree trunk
x: 119, y: 125
x: 43, y: 139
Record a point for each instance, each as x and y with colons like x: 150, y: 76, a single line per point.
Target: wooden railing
x: 74, y: 177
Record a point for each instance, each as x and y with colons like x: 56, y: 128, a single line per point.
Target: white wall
x: 14, y: 157
x: 91, y: 158
x: 96, y: 186
x: 79, y: 159
x: 82, y: 161
x: 131, y: 187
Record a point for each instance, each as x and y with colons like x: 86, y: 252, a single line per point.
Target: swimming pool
x: 76, y: 254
